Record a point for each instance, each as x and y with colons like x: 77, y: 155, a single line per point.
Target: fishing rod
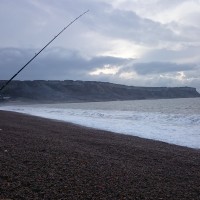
x: 42, y: 50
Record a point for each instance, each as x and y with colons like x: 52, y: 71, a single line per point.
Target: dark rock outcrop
x: 78, y: 91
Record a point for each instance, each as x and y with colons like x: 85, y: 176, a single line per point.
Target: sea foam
x: 181, y: 129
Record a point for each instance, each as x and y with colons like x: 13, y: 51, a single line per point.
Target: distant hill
x: 80, y: 91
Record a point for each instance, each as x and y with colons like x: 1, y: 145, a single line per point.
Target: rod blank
x: 42, y: 50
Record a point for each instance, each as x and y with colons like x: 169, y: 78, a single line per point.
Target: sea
x: 174, y: 121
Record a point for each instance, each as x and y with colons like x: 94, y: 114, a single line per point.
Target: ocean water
x: 175, y: 121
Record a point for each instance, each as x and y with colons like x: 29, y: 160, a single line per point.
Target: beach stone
x: 56, y: 160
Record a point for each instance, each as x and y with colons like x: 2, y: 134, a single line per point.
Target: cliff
x: 78, y: 91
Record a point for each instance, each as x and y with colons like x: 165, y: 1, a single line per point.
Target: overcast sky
x: 132, y: 42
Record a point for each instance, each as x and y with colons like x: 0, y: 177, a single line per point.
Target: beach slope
x: 46, y: 159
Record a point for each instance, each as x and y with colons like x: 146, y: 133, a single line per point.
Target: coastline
x: 42, y: 158
x: 171, y: 121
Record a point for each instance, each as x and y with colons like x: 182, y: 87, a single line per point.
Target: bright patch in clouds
x: 181, y: 76
x: 178, y: 76
x: 125, y: 49
x: 107, y: 69
x: 128, y: 75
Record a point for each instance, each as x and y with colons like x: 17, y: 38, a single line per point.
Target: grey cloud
x: 55, y: 63
x: 30, y: 23
x: 159, y: 68
x: 128, y: 25
x: 184, y: 52
x: 61, y: 64
x: 44, y: 18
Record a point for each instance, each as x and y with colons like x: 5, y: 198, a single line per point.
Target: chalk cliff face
x: 78, y: 91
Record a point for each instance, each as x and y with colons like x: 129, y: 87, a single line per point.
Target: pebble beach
x: 48, y: 159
